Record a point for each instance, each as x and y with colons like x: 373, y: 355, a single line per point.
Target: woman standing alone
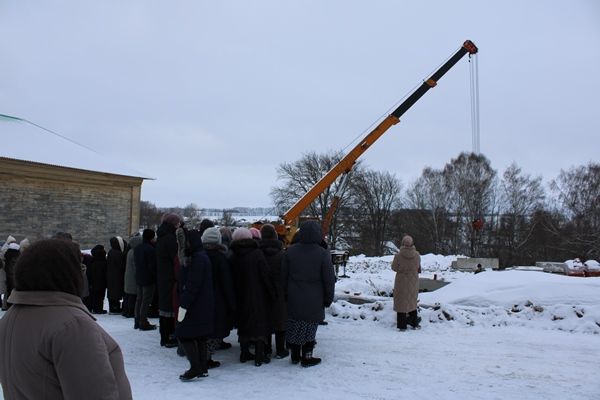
x: 407, y: 265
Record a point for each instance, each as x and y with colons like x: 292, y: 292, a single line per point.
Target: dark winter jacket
x: 145, y: 264
x: 308, y: 276
x: 96, y: 270
x: 254, y: 289
x: 130, y: 285
x: 53, y: 349
x: 115, y: 269
x: 273, y: 251
x: 166, y: 255
x: 196, y: 292
x: 10, y: 259
x: 223, y: 290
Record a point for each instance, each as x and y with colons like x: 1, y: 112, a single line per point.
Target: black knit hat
x: 148, y: 235
x: 50, y: 265
x: 267, y: 231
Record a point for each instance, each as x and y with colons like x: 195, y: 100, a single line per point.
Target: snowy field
x: 494, y: 335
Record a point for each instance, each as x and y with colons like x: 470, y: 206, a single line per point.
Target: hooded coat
x: 52, y: 348
x: 308, y: 275
x: 130, y: 285
x: 406, y: 263
x: 273, y: 251
x: 115, y: 268
x: 196, y: 292
x: 166, y: 255
x: 224, y: 294
x: 144, y: 257
x: 254, y: 289
x: 96, y: 270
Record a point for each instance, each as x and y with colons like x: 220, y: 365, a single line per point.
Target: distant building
x: 49, y: 184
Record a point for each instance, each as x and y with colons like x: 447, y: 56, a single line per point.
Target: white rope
x: 474, y: 80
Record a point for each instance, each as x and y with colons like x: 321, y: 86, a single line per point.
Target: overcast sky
x: 209, y: 97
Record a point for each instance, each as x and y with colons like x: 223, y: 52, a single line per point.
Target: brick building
x: 49, y: 184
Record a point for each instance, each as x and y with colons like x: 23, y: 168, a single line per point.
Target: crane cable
x: 393, y: 107
x: 474, y: 84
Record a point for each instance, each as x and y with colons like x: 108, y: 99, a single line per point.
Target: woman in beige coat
x: 51, y: 346
x: 407, y: 265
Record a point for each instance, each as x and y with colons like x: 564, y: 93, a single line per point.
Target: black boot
x: 414, y: 319
x: 401, y: 321
x: 282, y: 352
x: 295, y: 349
x: 245, y: 354
x: 307, y: 356
x: 165, y: 329
x: 260, y: 357
x: 194, y: 353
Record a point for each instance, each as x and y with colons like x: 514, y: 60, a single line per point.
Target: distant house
x: 50, y: 184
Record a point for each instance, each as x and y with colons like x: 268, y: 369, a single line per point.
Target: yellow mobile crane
x: 344, y: 166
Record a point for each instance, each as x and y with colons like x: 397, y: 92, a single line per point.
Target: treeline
x: 464, y: 208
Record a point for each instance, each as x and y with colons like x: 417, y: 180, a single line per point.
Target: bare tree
x: 192, y: 215
x: 300, y: 176
x: 577, y: 192
x: 472, y: 182
x: 227, y: 218
x: 520, y: 196
x: 149, y: 215
x: 429, y: 193
x: 374, y: 195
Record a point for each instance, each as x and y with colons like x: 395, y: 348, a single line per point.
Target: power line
x: 10, y: 117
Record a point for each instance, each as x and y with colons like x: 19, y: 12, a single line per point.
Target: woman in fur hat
x: 406, y: 264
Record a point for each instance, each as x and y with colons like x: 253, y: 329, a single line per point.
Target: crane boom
x: 345, y: 164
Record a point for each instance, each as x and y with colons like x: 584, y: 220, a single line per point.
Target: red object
x: 477, y: 224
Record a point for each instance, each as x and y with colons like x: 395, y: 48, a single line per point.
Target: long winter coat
x: 223, y: 290
x: 308, y: 276
x: 115, y: 270
x: 254, y: 289
x: 273, y: 251
x: 145, y: 264
x: 166, y: 255
x: 130, y: 285
x: 96, y: 270
x: 406, y: 263
x: 52, y: 348
x: 196, y: 292
x: 10, y: 260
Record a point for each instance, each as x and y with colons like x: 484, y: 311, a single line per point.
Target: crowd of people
x: 203, y: 283
x: 200, y: 283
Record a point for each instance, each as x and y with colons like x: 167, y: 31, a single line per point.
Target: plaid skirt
x: 301, y: 332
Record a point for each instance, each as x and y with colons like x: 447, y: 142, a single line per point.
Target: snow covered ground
x: 494, y: 335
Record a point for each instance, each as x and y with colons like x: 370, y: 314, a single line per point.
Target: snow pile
x: 491, y: 298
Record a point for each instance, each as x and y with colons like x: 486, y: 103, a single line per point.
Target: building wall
x: 36, y: 201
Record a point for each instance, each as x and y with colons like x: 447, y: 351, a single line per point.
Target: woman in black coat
x: 224, y: 294
x: 166, y: 257
x: 96, y: 274
x: 115, y: 273
x: 196, y: 307
x: 254, y: 292
x: 309, y: 282
x: 272, y: 248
